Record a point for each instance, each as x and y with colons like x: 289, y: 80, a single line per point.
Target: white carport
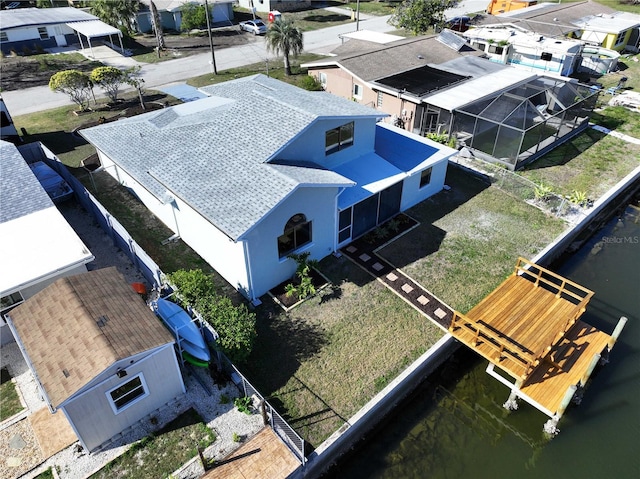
x: 95, y: 28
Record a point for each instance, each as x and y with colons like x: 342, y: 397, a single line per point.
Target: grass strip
x: 160, y: 454
x: 9, y: 400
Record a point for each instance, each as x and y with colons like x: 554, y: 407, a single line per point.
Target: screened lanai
x: 524, y: 122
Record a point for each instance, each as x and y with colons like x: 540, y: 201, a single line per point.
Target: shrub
x: 74, y: 83
x: 192, y: 284
x: 543, y: 192
x: 235, y: 325
x: 243, y: 404
x: 109, y: 79
x: 311, y: 83
x: 305, y: 286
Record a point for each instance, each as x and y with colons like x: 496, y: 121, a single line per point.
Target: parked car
x: 257, y: 26
x: 52, y: 182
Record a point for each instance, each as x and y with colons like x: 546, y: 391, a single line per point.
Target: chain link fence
x: 537, y: 195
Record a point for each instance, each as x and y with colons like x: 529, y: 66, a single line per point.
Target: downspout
x: 16, y: 336
x: 247, y: 262
x: 336, y: 220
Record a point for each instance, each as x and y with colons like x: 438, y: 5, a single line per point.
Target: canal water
x: 455, y: 427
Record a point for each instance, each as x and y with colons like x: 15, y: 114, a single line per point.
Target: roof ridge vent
x: 102, y: 321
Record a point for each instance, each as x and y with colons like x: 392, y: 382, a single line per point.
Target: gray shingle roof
x: 382, y: 61
x: 213, y: 153
x: 26, y: 17
x: 21, y: 193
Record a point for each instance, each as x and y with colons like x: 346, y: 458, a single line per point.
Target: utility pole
x: 213, y: 56
x: 358, y: 16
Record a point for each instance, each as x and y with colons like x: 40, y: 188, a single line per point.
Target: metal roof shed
x: 95, y: 29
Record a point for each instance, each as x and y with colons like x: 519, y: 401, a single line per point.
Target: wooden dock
x: 529, y: 327
x: 264, y: 455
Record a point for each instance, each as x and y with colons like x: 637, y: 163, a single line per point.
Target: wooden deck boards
x: 548, y: 384
x: 529, y: 327
x: 264, y: 455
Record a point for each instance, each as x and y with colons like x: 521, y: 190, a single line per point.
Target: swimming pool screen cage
x: 526, y: 121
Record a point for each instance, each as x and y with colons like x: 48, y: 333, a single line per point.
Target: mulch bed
x: 384, y: 233
x: 279, y: 292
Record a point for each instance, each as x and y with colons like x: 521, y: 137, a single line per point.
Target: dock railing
x: 285, y: 432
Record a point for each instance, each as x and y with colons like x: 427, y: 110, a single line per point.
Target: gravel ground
x: 202, y: 393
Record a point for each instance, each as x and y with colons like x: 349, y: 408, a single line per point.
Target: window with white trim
x: 339, y: 138
x: 322, y: 78
x: 546, y: 56
x: 127, y: 394
x: 4, y: 37
x: 620, y: 38
x: 44, y: 34
x: 357, y: 91
x: 297, y: 233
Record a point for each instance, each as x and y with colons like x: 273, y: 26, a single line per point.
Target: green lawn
x: 9, y: 400
x: 575, y: 165
x: 272, y: 69
x: 162, y: 453
x: 362, y: 333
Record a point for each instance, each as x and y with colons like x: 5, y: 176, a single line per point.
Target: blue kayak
x: 180, y: 323
x: 195, y: 351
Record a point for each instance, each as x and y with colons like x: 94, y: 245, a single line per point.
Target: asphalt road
x: 166, y: 73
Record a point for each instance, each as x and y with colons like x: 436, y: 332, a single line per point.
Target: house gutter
x: 52, y: 274
x: 16, y: 336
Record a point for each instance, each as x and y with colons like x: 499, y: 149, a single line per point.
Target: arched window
x: 297, y: 233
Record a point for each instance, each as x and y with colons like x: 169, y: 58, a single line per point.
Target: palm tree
x: 283, y: 36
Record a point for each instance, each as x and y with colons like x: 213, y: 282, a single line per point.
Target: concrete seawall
x: 330, y: 451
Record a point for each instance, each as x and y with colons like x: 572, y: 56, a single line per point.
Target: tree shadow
x: 284, y: 343
x: 325, y: 18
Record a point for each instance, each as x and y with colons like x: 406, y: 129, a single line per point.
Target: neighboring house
x: 619, y: 31
x: 8, y: 130
x: 262, y: 169
x: 271, y: 5
x: 500, y: 113
x: 98, y: 353
x: 170, y: 13
x: 37, y: 245
x: 26, y: 30
x: 496, y: 7
x: 589, y: 21
x: 360, y: 62
x: 529, y: 50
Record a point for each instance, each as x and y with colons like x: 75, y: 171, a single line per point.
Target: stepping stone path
x: 409, y: 290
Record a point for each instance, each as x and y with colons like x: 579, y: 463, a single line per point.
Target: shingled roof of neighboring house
x: 215, y: 153
x: 21, y: 193
x: 369, y: 61
x: 29, y: 17
x: 35, y: 239
x: 80, y: 325
x: 551, y: 19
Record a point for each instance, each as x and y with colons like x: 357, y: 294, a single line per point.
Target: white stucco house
x: 98, y: 353
x: 37, y: 245
x: 261, y: 169
x: 24, y: 30
x: 265, y: 6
